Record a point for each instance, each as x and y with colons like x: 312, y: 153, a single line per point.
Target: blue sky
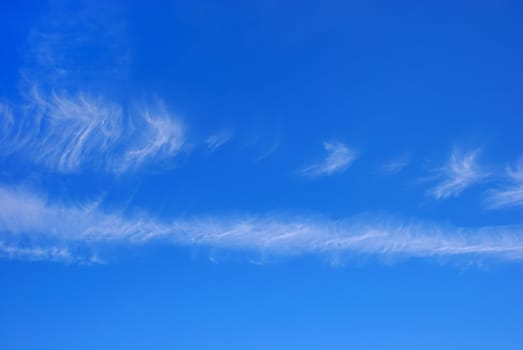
x: 270, y: 174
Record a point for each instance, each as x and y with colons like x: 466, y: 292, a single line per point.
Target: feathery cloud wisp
x: 394, y: 166
x: 215, y: 141
x: 69, y: 132
x: 31, y: 226
x: 510, y: 195
x: 339, y: 157
x: 461, y: 171
x: 35, y: 253
x: 269, y: 151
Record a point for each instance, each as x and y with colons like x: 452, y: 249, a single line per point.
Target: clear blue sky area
x: 261, y: 175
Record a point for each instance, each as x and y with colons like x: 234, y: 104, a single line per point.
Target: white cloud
x: 339, y: 157
x: 64, y: 127
x: 512, y: 194
x: 68, y: 133
x: 396, y: 165
x: 158, y: 135
x: 215, y: 141
x: 35, y: 253
x: 270, y: 151
x: 26, y: 217
x: 6, y: 115
x: 461, y: 171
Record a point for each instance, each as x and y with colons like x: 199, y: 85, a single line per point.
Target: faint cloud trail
x: 396, y: 165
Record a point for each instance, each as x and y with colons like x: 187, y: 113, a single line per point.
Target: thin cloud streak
x: 55, y: 254
x: 460, y: 172
x: 395, y: 166
x: 215, y: 141
x: 512, y: 194
x: 26, y: 217
x: 270, y: 151
x: 339, y: 158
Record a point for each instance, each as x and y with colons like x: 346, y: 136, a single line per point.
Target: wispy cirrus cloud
x: 270, y: 151
x: 32, y: 227
x: 60, y: 123
x: 217, y: 140
x: 395, y: 165
x: 339, y: 157
x: 45, y: 253
x: 511, y: 194
x: 68, y: 133
x: 7, y: 118
x: 461, y: 171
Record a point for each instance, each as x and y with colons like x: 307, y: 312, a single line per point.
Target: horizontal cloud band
x: 32, y: 228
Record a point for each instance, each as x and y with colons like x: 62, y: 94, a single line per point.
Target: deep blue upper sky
x: 268, y: 174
